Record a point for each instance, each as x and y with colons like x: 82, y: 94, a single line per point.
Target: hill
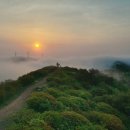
x: 11, y: 89
x: 73, y: 99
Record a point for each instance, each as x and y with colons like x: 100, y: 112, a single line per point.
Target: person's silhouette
x: 57, y: 64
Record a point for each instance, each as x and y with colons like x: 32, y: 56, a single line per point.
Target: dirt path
x: 19, y: 102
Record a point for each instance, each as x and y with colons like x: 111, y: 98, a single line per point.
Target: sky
x: 65, y: 28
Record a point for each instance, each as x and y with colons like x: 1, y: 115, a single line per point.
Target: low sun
x: 37, y: 44
x: 38, y: 47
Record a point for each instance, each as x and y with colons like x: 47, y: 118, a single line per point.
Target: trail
x: 17, y: 104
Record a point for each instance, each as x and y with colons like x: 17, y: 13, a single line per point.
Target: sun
x: 37, y: 47
x: 37, y: 44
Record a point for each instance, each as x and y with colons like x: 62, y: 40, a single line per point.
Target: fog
x: 77, y: 33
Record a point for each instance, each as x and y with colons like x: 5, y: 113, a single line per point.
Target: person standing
x: 58, y: 65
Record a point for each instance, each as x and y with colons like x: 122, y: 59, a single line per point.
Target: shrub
x: 110, y: 121
x: 106, y: 108
x: 68, y: 120
x: 120, y: 101
x: 20, y: 120
x: 55, y: 92
x: 80, y: 93
x: 61, y: 77
x: 23, y: 116
x: 91, y: 127
x: 26, y: 79
x: 74, y: 103
x: 39, y: 124
x: 34, y: 124
x: 101, y: 89
x: 41, y: 102
x: 54, y: 119
x: 72, y: 119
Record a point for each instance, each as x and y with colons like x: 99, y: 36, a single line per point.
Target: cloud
x: 96, y: 22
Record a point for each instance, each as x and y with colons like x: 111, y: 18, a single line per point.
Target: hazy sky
x: 66, y: 27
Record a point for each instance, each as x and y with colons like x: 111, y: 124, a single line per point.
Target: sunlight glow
x: 37, y: 44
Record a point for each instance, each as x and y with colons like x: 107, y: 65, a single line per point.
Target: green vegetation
x: 75, y: 99
x: 14, y: 88
x: 110, y: 121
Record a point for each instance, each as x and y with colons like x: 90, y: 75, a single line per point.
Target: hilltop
x: 71, y: 99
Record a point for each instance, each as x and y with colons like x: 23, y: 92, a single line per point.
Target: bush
x: 74, y: 103
x: 91, y: 127
x: 79, y: 93
x: 102, y: 89
x: 106, y: 108
x: 54, y: 119
x: 39, y: 124
x: 61, y: 77
x: 34, y: 124
x: 41, y: 102
x: 110, y: 121
x: 68, y: 120
x: 20, y: 120
x: 72, y: 119
x: 23, y: 116
x: 26, y: 80
x: 120, y: 101
x: 55, y: 92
